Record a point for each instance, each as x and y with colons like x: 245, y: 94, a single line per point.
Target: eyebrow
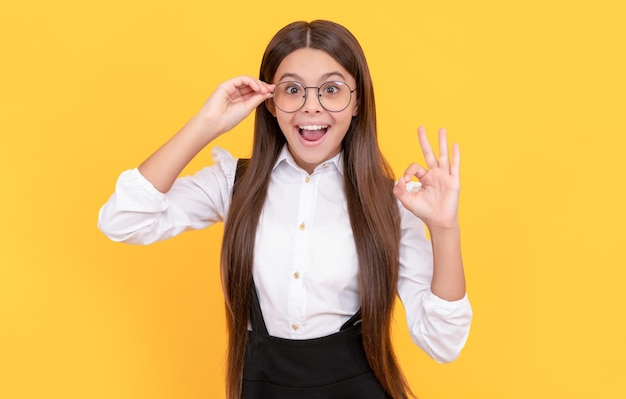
x: 297, y: 77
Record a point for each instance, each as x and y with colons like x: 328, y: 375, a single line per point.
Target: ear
x: 271, y: 107
x: 355, y: 109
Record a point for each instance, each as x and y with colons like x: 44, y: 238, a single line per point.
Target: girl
x: 318, y: 240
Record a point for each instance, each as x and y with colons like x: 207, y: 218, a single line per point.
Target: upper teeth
x: 313, y: 127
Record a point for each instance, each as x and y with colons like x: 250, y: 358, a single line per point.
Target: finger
x: 456, y: 161
x: 415, y: 170
x: 429, y: 156
x: 249, y: 90
x: 247, y: 84
x: 255, y: 99
x: 265, y: 87
x: 244, y: 90
x: 269, y: 86
x: 262, y: 87
x: 400, y: 186
x: 401, y: 192
x: 444, y: 162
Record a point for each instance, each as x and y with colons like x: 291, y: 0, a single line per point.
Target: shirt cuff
x: 135, y: 193
x: 442, y: 307
x: 135, y: 177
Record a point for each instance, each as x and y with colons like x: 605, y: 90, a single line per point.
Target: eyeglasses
x: 333, y: 96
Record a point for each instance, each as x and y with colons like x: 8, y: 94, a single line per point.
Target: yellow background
x: 532, y: 90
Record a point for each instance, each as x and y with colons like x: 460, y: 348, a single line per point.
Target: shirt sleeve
x: 137, y: 213
x: 439, y: 327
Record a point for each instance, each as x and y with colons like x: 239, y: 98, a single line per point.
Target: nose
x: 312, y: 100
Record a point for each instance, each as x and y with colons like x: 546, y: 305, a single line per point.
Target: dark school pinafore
x: 330, y: 367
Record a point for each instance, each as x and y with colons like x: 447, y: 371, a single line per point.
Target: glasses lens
x: 289, y: 96
x: 335, y: 96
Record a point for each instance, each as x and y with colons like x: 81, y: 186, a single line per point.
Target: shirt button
x: 294, y: 327
x: 302, y: 226
x: 307, y: 179
x: 296, y: 275
x: 325, y: 166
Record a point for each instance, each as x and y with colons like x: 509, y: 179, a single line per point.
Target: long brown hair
x: 372, y: 207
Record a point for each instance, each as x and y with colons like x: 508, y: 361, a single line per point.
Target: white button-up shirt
x: 305, y: 266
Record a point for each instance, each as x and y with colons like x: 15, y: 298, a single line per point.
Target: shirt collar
x: 285, y: 156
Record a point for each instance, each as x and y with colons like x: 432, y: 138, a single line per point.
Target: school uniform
x: 305, y: 268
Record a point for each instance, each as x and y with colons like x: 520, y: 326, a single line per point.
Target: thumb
x: 399, y: 189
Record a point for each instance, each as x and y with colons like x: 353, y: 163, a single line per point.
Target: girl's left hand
x: 436, y: 202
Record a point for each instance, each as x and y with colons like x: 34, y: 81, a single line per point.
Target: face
x: 313, y: 134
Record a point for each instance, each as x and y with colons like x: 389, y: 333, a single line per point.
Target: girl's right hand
x: 229, y: 104
x: 233, y: 101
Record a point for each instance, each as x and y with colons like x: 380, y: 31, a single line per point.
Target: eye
x: 292, y: 89
x: 331, y: 88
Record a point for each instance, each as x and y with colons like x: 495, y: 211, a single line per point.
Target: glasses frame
x: 319, y: 95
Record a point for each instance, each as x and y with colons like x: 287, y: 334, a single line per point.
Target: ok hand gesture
x: 436, y: 201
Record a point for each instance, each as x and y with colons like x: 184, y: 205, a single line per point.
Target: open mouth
x: 312, y: 132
